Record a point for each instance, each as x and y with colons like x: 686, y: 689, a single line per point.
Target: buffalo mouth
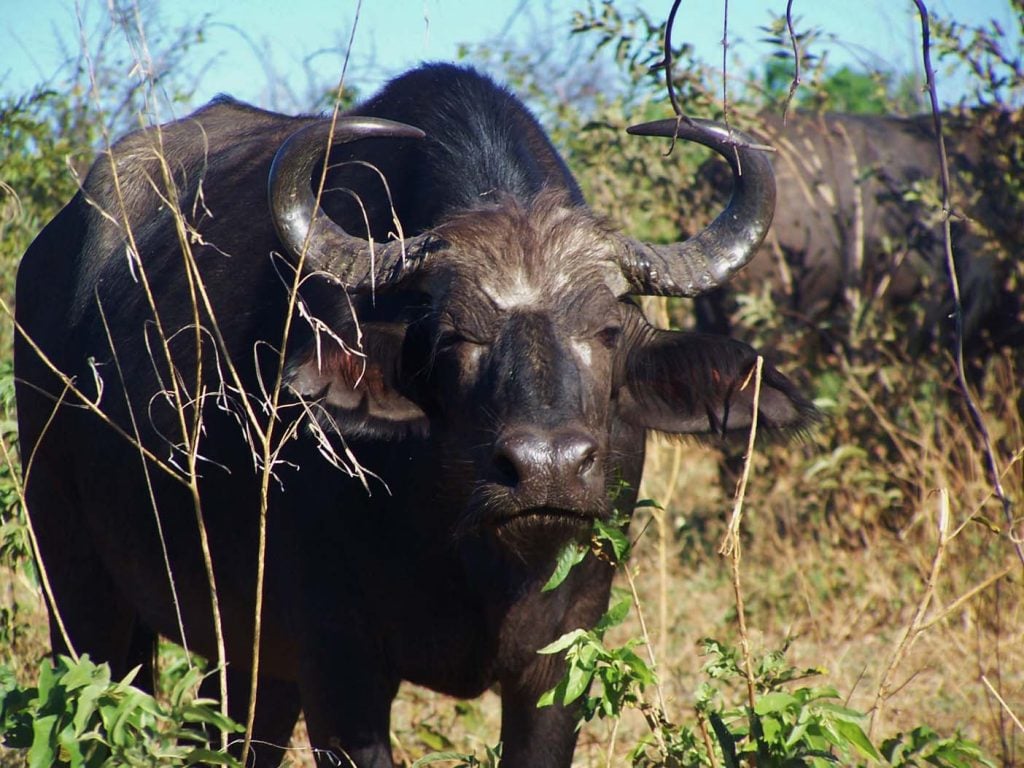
x: 544, y: 517
x: 494, y: 510
x: 541, y: 521
x: 537, y: 534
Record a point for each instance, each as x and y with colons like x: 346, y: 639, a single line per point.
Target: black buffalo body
x: 449, y: 407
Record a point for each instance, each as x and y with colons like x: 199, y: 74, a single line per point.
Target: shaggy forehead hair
x: 546, y: 245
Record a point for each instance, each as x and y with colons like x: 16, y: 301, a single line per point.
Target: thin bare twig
x: 661, y: 518
x: 914, y: 629
x: 702, y: 725
x: 725, y: 61
x: 795, y: 43
x: 958, y: 315
x: 730, y: 546
x: 1003, y: 704
x: 669, y: 84
x: 19, y: 489
x: 663, y: 710
x: 267, y: 443
x: 965, y: 597
x: 189, y: 438
x: 610, y: 757
x: 84, y: 400
x: 149, y: 479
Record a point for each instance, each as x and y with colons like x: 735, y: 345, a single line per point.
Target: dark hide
x: 428, y: 462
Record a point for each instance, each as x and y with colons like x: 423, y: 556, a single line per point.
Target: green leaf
x: 576, y: 683
x: 777, y: 701
x: 588, y: 655
x: 48, y: 676
x: 570, y: 556
x: 434, y: 740
x: 547, y: 698
x: 442, y: 757
x: 203, y: 712
x: 647, y: 503
x: 563, y: 642
x: 84, y: 673
x: 126, y: 714
x: 201, y: 756
x: 855, y: 735
x: 70, y: 747
x: 839, y: 712
x: 615, y: 614
x: 614, y: 536
x: 725, y: 740
x: 86, y: 706
x: 771, y: 729
x: 41, y: 754
x: 795, y: 736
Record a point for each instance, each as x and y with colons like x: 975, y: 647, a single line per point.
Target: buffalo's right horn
x: 313, y: 239
x: 709, y: 258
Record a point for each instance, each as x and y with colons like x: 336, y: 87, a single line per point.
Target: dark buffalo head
x: 525, y: 354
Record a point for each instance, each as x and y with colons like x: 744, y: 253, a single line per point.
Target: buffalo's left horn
x: 309, y: 234
x: 709, y: 258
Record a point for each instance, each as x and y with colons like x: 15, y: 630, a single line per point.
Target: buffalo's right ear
x: 696, y: 384
x: 357, y: 393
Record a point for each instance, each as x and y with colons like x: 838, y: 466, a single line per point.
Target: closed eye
x: 609, y: 336
x: 449, y: 339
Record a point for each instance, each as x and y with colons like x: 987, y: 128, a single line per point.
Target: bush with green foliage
x: 76, y: 716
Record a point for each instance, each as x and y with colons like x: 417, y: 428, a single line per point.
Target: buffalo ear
x: 357, y: 392
x: 689, y: 383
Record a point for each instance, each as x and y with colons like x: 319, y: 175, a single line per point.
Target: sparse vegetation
x: 880, y: 577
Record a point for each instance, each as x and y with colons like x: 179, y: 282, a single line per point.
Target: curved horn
x: 308, y: 232
x: 709, y: 258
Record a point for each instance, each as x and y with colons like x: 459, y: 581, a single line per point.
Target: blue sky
x: 247, y: 37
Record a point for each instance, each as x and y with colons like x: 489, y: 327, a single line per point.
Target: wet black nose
x: 550, y: 467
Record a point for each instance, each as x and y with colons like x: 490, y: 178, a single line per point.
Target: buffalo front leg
x: 532, y: 736
x: 346, y: 699
x: 352, y: 729
x: 277, y: 711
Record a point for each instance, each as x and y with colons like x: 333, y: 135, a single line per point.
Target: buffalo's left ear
x: 689, y: 383
x: 358, y: 393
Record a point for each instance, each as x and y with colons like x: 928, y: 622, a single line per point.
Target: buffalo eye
x: 609, y: 336
x: 450, y: 338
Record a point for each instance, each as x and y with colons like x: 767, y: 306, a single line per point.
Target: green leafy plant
x: 807, y: 725
x: 776, y: 723
x: 77, y: 716
x: 621, y: 674
x: 923, y: 746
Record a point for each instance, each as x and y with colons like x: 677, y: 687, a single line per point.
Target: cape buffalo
x: 443, y: 350
x: 857, y: 223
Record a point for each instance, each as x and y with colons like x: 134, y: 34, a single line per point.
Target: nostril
x: 587, y: 463
x: 516, y: 457
x: 578, y: 454
x: 506, y: 469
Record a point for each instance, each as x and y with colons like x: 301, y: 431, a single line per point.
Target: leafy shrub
x: 77, y: 716
x: 775, y: 724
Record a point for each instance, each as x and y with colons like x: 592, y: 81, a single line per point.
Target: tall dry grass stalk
x: 731, y: 545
